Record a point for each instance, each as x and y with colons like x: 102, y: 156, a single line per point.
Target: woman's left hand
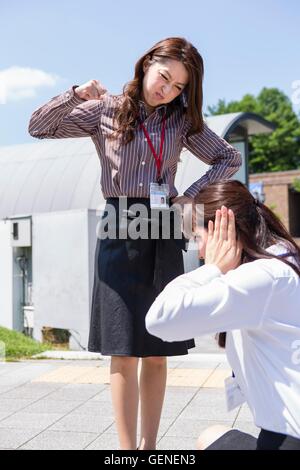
x: 222, y: 248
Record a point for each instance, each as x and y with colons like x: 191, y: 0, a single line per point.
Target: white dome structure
x: 47, y: 176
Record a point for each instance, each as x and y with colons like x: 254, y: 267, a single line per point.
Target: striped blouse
x: 128, y: 170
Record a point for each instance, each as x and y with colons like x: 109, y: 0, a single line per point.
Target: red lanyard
x: 158, y: 159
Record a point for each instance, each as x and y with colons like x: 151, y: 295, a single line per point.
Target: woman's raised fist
x: 91, y: 90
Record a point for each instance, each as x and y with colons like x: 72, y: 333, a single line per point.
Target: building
x: 50, y: 202
x: 279, y: 194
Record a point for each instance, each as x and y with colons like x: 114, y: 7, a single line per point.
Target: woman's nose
x: 166, y: 89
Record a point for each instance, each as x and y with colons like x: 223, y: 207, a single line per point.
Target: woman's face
x: 167, y: 80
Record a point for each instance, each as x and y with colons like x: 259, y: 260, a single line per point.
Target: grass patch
x: 18, y: 346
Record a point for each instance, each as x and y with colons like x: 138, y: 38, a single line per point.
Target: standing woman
x: 139, y: 136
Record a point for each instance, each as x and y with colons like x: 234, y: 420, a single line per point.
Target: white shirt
x: 258, y: 304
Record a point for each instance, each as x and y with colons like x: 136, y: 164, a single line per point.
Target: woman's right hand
x: 91, y: 90
x: 223, y: 248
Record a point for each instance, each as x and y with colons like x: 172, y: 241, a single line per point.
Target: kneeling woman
x: 248, y: 287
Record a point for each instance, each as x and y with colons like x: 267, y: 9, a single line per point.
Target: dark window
x: 16, y: 231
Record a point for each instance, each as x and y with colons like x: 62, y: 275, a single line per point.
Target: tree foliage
x: 279, y: 150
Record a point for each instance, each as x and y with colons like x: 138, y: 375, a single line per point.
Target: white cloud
x: 18, y: 83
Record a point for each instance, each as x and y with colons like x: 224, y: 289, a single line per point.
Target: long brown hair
x: 256, y: 225
x: 175, y: 48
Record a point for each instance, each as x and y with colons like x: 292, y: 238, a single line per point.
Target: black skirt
x: 129, y: 274
x: 267, y: 440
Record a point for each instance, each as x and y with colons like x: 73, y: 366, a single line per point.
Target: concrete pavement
x: 65, y: 404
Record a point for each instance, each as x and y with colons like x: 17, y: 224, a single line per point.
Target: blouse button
x: 143, y: 163
x: 141, y: 185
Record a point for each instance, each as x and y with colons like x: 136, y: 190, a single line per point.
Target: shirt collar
x: 278, y: 249
x: 161, y: 109
x: 284, y: 248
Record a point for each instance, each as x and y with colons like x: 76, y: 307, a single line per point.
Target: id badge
x: 234, y: 394
x: 159, y: 196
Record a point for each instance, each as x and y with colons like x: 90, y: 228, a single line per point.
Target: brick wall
x: 277, y: 198
x: 276, y: 188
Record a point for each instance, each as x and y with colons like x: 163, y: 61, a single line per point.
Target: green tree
x: 279, y: 150
x: 296, y: 185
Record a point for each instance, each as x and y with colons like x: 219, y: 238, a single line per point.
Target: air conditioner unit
x: 21, y: 232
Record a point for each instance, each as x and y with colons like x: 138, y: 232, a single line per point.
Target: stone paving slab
x: 14, y: 438
x: 64, y: 404
x: 58, y: 440
x: 207, y: 377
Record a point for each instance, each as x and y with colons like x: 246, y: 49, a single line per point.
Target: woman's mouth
x: 159, y: 96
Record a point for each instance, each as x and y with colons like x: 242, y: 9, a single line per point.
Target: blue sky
x: 46, y: 47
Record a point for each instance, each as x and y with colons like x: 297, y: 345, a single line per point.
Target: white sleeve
x: 206, y: 301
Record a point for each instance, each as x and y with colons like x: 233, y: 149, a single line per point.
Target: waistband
x: 119, y: 199
x: 132, y: 200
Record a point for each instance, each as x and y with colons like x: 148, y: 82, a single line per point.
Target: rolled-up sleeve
x: 66, y: 115
x: 213, y: 150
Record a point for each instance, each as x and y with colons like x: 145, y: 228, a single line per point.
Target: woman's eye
x: 178, y: 88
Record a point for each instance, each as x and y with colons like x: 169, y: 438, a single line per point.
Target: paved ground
x: 63, y: 404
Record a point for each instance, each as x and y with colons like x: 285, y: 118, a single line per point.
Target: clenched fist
x: 91, y: 90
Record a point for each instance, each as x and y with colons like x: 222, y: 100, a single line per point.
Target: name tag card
x: 234, y: 394
x: 159, y: 196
